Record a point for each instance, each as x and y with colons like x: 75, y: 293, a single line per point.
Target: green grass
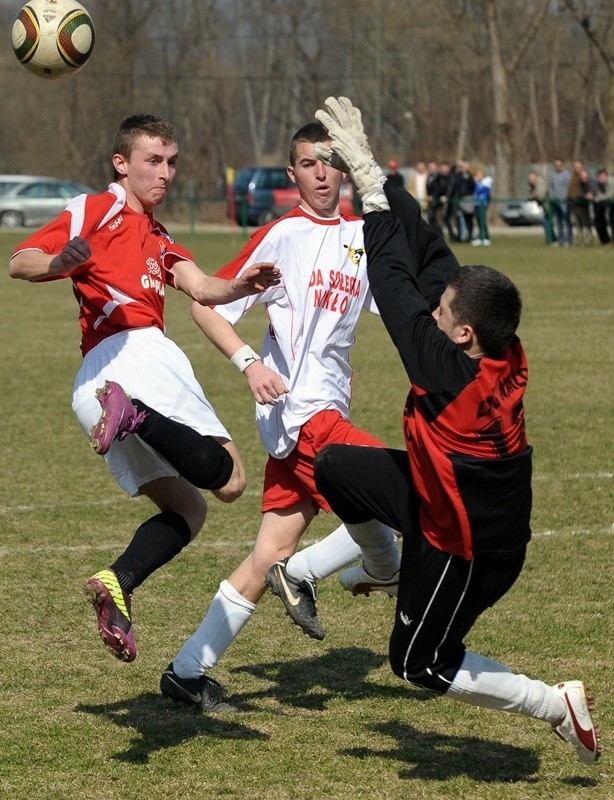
x: 319, y: 720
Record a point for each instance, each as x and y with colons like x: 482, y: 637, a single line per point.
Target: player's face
x: 149, y: 172
x: 318, y: 184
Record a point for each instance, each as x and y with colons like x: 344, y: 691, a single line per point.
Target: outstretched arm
x: 211, y: 291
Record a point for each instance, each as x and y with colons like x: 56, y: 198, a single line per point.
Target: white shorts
x: 153, y: 369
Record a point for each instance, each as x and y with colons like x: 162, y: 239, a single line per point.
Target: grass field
x: 318, y: 720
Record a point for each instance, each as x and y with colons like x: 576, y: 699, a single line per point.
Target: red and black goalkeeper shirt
x: 464, y: 418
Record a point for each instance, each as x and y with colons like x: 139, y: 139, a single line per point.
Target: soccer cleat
x: 358, y: 581
x: 112, y: 607
x: 298, y: 597
x: 202, y: 692
x: 578, y: 727
x: 119, y: 417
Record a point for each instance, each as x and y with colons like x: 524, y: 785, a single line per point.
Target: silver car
x: 522, y: 212
x: 35, y: 199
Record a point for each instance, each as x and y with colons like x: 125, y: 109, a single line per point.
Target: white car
x: 35, y: 199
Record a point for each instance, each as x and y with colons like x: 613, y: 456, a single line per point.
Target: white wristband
x: 244, y: 357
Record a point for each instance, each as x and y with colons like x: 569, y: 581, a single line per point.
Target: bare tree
x: 505, y: 151
x: 587, y: 16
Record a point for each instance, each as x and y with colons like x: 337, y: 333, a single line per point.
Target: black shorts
x: 440, y: 595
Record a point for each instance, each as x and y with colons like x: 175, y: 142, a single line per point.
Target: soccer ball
x: 53, y: 38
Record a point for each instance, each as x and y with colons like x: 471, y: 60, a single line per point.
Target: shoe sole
x: 367, y: 588
x: 273, y: 582
x: 113, y: 638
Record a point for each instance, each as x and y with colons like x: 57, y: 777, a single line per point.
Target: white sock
x: 226, y: 617
x: 324, y: 558
x: 488, y: 684
x: 379, y: 548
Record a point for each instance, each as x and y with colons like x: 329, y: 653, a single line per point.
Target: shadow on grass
x: 436, y: 757
x: 160, y: 723
x: 311, y: 683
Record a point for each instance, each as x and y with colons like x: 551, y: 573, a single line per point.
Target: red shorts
x: 290, y: 480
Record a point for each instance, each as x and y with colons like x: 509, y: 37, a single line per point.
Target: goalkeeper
x: 461, y: 495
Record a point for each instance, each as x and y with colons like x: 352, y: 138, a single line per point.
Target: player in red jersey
x: 120, y: 261
x: 461, y: 494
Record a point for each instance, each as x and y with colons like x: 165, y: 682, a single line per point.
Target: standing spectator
x: 604, y: 207
x: 438, y: 188
x: 121, y: 261
x: 538, y: 191
x: 574, y: 197
x: 393, y: 176
x: 481, y: 199
x: 431, y: 186
x: 559, y: 185
x: 418, y: 185
x: 587, y: 189
x: 461, y: 197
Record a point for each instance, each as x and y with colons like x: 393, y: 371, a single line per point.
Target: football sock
x: 378, y: 544
x: 199, y: 459
x: 226, y: 617
x: 488, y: 684
x: 319, y: 560
x: 155, y: 542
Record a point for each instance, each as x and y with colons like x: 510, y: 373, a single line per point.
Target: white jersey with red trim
x: 121, y: 286
x: 312, y: 316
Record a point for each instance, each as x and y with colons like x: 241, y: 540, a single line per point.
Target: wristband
x: 244, y: 357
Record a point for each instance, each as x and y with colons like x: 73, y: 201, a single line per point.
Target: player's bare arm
x: 209, y: 290
x: 34, y: 265
x: 266, y: 385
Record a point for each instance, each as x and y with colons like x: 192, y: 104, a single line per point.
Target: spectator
x: 604, y: 207
x: 538, y: 191
x: 461, y: 196
x: 587, y: 189
x: 573, y: 194
x: 481, y: 200
x: 560, y: 178
x: 438, y: 208
x: 418, y: 185
x: 393, y: 176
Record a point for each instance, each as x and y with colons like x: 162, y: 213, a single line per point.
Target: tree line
x: 503, y: 82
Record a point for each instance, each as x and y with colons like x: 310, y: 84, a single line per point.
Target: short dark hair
x: 487, y: 300
x: 141, y: 125
x: 312, y: 132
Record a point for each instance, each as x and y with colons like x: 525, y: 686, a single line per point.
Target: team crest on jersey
x: 113, y: 226
x: 355, y: 254
x: 153, y: 267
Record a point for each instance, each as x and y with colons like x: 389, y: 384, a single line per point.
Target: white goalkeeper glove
x: 350, y: 151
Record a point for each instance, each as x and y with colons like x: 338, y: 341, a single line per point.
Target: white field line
x: 206, y: 543
x: 109, y: 501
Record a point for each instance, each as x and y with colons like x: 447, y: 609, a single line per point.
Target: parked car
x: 262, y: 194
x: 522, y: 212
x: 35, y: 199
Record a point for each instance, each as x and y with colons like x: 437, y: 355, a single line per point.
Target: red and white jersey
x: 312, y: 316
x: 121, y: 286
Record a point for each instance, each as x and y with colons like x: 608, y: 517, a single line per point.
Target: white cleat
x: 358, y: 581
x: 578, y: 727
